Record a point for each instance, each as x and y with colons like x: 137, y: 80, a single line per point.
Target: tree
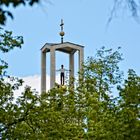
x: 101, y: 73
x: 132, y: 6
x: 87, y: 111
x: 129, y: 105
x: 7, y: 43
x: 15, y: 3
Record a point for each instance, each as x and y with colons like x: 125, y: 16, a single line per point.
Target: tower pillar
x: 81, y: 58
x: 71, y: 65
x: 52, y: 67
x: 43, y: 71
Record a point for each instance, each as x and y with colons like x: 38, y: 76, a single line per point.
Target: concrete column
x: 52, y: 67
x: 71, y: 65
x: 81, y: 58
x: 43, y: 71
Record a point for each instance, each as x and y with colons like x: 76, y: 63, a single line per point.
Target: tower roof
x: 66, y: 47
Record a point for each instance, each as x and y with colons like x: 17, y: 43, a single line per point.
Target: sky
x: 85, y: 23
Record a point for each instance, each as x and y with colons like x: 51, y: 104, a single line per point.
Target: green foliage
x: 7, y: 84
x: 6, y: 3
x: 129, y: 105
x: 9, y: 42
x: 87, y: 111
x: 102, y: 72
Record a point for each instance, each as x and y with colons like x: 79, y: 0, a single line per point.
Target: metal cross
x: 62, y: 24
x: 62, y: 32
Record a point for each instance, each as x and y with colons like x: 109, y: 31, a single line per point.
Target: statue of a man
x: 62, y: 74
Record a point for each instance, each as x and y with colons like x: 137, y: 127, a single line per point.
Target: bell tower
x: 65, y: 47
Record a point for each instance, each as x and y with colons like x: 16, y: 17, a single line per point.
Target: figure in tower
x: 62, y: 74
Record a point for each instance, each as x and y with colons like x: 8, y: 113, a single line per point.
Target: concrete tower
x: 65, y: 47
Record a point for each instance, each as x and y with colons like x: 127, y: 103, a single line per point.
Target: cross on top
x: 62, y: 24
x: 62, y: 32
